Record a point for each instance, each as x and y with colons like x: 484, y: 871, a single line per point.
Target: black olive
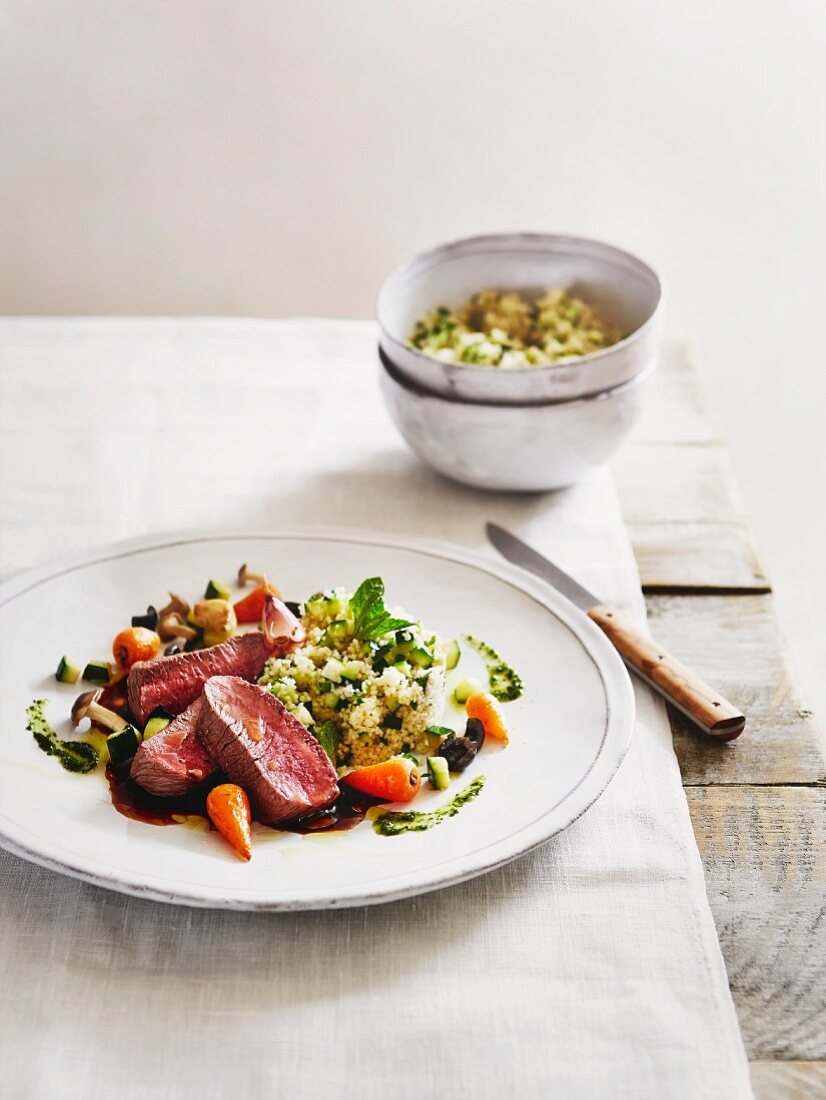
x: 149, y: 620
x: 458, y: 751
x: 171, y: 649
x: 475, y: 732
x: 294, y: 607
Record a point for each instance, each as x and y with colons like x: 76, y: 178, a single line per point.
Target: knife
x: 706, y: 707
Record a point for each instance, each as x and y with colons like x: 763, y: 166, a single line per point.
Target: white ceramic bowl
x: 523, y: 448
x: 627, y: 290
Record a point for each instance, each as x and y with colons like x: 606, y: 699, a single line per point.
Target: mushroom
x: 87, y: 706
x: 245, y: 576
x: 172, y: 625
x: 176, y: 604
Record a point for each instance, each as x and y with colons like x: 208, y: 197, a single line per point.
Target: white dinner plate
x: 569, y: 732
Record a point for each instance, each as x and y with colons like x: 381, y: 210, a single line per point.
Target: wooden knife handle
x: 680, y: 686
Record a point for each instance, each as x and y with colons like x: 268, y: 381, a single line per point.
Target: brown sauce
x: 349, y: 809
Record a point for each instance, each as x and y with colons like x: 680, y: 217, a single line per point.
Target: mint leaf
x: 371, y: 619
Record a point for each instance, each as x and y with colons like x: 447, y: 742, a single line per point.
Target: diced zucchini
x: 464, y: 689
x: 392, y: 722
x: 67, y: 672
x: 97, y: 672
x: 393, y: 703
x: 421, y: 658
x: 324, y: 686
x: 452, y: 654
x: 438, y: 772
x: 336, y: 633
x: 331, y: 700
x: 335, y: 605
x: 402, y: 666
x: 439, y: 731
x: 316, y: 606
x: 352, y: 673
x: 216, y: 590
x: 153, y: 726
x: 123, y: 745
x: 332, y: 670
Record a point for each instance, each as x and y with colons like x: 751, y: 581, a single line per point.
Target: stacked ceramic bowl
x: 528, y: 429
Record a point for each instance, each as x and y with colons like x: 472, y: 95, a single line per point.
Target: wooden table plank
x: 788, y: 1080
x: 734, y: 642
x: 764, y: 851
x: 680, y: 502
x: 759, y: 805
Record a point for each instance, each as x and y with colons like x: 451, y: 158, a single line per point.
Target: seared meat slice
x: 254, y: 739
x: 176, y: 681
x: 173, y: 761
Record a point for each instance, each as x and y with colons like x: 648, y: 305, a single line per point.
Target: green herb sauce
x: 395, y: 823
x: 505, y: 683
x: 74, y: 756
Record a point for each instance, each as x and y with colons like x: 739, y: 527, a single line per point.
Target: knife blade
x: 684, y: 689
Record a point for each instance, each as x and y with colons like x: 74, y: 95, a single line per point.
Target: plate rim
x: 619, y: 729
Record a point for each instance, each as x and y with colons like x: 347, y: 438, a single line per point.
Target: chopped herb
x: 371, y: 619
x: 327, y: 736
x: 396, y: 822
x: 505, y: 683
x: 74, y: 756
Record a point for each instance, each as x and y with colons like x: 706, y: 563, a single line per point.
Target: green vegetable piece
x: 452, y: 655
x: 153, y: 726
x: 331, y: 700
x: 67, y: 672
x: 97, y: 672
x: 421, y: 658
x: 438, y: 772
x: 464, y: 689
x: 327, y: 736
x: 439, y: 731
x: 123, y: 745
x: 371, y: 619
x: 74, y: 756
x: 336, y: 633
x: 217, y: 590
x: 392, y: 722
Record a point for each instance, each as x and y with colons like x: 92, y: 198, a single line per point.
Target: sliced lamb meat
x: 174, y: 761
x: 174, y: 682
x: 255, y: 740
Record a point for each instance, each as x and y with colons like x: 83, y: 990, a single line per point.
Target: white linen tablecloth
x: 589, y: 968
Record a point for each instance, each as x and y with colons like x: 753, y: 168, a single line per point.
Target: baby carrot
x: 396, y: 780
x: 229, y: 811
x: 487, y: 710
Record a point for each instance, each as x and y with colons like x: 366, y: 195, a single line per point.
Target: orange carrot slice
x: 251, y: 607
x: 229, y: 811
x: 487, y: 710
x: 396, y: 780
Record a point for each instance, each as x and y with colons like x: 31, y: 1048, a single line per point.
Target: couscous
x: 378, y: 685
x: 508, y: 330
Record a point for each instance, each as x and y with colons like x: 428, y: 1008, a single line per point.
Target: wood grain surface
x: 758, y: 804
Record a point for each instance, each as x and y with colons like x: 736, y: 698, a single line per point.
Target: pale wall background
x: 237, y: 156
